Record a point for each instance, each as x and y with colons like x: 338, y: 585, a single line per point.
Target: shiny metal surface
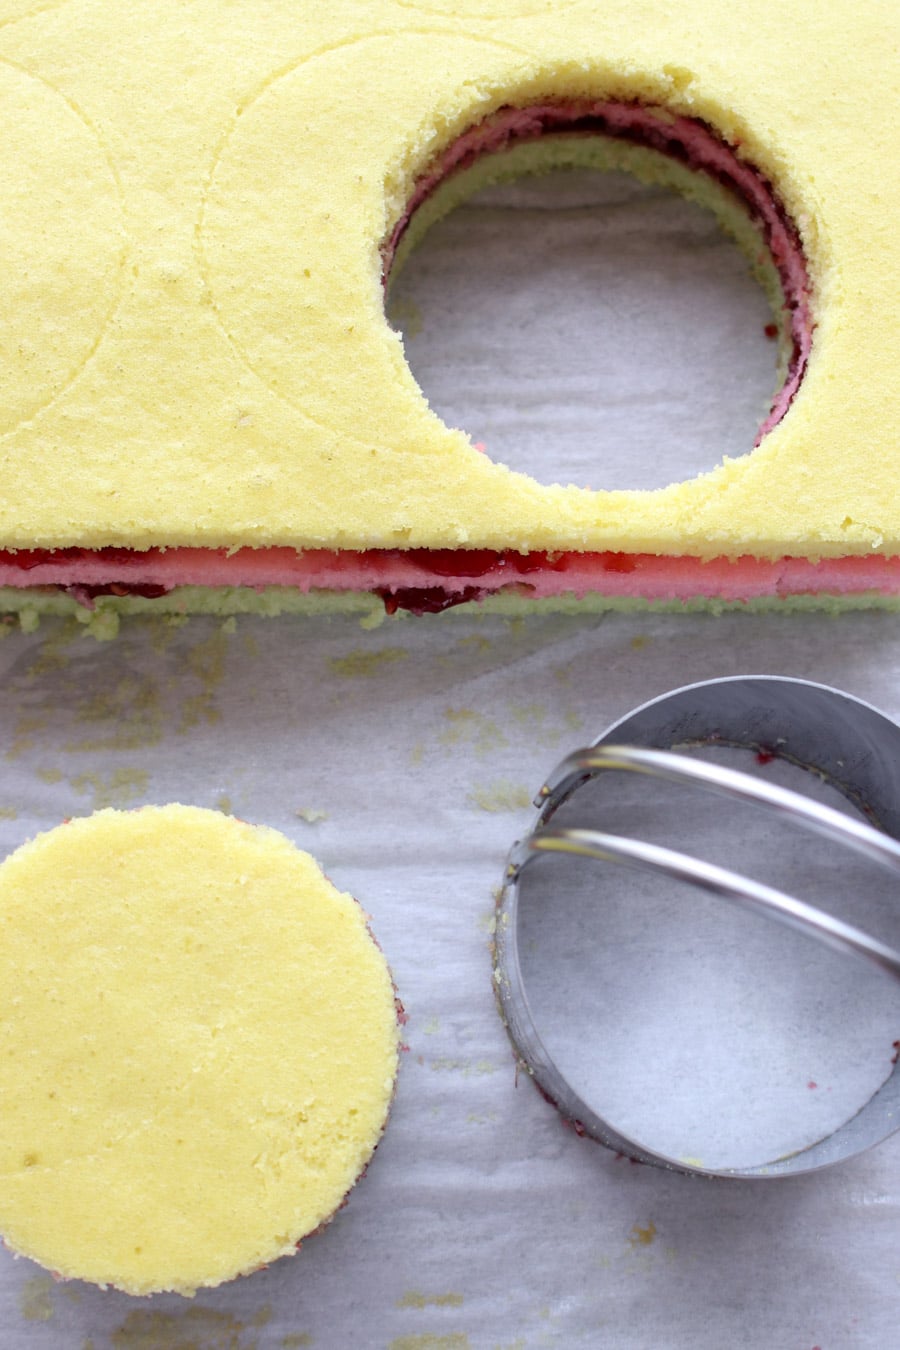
x: 838, y: 738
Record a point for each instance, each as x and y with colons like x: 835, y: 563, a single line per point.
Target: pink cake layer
x: 425, y: 580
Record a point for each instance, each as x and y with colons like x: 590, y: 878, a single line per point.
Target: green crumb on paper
x: 144, y: 1329
x: 120, y: 788
x: 206, y: 662
x: 376, y: 617
x: 468, y: 727
x: 541, y: 727
x: 311, y: 816
x: 36, y: 1299
x: 642, y: 1237
x: 455, y: 1341
x: 413, y: 1299
x: 477, y: 641
x: 363, y: 665
x: 102, y: 624
x: 23, y: 734
x: 501, y: 795
x: 478, y: 1068
x: 128, y: 714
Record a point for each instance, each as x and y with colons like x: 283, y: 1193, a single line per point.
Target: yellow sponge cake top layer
x: 199, y: 1046
x: 193, y: 347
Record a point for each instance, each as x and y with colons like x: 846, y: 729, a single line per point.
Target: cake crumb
x: 413, y: 1299
x: 376, y: 617
x: 128, y: 713
x: 480, y: 1068
x: 364, y: 665
x: 470, y: 727
x: 642, y: 1237
x: 23, y: 737
x: 310, y: 815
x: 121, y: 788
x: 36, y: 1299
x: 100, y: 623
x: 502, y: 795
x: 457, y: 1340
x: 148, y: 1330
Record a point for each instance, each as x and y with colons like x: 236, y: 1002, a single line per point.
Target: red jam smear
x: 477, y: 562
x: 429, y: 599
x: 26, y: 559
x: 426, y: 599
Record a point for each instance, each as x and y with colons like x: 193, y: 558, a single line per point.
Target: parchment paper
x: 405, y: 758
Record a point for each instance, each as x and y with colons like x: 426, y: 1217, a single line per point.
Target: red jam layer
x: 427, y: 580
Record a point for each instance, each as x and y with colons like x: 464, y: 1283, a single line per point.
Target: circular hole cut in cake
x: 617, y: 292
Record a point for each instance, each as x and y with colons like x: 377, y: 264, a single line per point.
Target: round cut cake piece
x: 199, y: 1048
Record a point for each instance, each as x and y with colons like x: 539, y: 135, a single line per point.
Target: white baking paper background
x: 405, y: 756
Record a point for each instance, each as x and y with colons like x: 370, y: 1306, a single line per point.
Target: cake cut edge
x: 252, y: 868
x: 375, y: 584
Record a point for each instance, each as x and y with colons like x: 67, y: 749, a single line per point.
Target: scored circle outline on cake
x: 205, y: 233
x: 266, y: 345
x: 14, y: 11
x: 53, y: 270
x: 492, y: 11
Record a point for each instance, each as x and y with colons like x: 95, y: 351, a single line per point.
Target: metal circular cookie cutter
x: 843, y: 740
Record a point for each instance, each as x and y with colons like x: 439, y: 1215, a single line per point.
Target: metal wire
x: 843, y: 731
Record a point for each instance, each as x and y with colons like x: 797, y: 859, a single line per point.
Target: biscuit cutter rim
x: 842, y: 739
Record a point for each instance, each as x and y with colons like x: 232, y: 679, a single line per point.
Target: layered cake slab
x: 204, y: 406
